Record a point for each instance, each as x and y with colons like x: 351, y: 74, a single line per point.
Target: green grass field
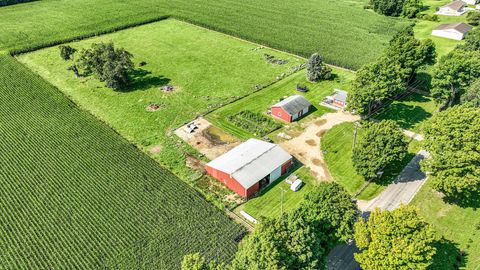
x: 269, y: 201
x: 337, y: 146
x: 208, y: 69
x: 342, y: 31
x: 261, y: 101
x: 460, y: 226
x: 76, y: 195
x: 423, y: 29
x: 410, y: 112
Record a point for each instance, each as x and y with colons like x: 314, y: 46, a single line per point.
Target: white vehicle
x: 296, y: 185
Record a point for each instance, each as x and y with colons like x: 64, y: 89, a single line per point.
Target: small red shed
x: 249, y: 167
x: 291, y: 108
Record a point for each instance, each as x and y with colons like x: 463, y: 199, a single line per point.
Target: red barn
x: 291, y: 108
x: 251, y: 166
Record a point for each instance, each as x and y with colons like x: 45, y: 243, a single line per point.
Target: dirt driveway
x: 306, y: 146
x: 208, y: 139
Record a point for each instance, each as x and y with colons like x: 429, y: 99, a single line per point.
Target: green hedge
x: 13, y: 2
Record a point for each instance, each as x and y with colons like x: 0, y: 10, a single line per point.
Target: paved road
x: 402, y: 190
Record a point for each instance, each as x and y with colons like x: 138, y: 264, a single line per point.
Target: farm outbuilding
x: 471, y: 2
x: 251, y: 166
x: 455, y: 31
x: 455, y: 8
x: 291, y: 108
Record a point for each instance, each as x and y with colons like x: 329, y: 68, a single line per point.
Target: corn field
x: 75, y: 195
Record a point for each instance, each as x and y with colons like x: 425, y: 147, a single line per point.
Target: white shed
x: 471, y: 2
x: 455, y: 8
x: 455, y: 31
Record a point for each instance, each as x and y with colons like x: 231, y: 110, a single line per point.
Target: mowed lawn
x: 261, y: 101
x: 278, y: 197
x: 337, y: 146
x: 459, y: 225
x: 76, y: 195
x: 342, y: 31
x: 208, y: 69
x: 409, y: 112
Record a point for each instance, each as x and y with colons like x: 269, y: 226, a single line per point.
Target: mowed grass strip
x: 208, y: 69
x: 75, y: 195
x: 341, y: 31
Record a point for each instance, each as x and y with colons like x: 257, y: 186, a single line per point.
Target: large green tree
x: 472, y: 40
x: 452, y: 138
x: 331, y: 203
x: 410, y: 53
x: 453, y: 73
x: 394, y: 240
x: 317, y: 70
x: 374, y: 83
x: 472, y: 94
x: 395, y: 8
x: 473, y: 18
x: 380, y: 145
x: 288, y: 242
x: 109, y: 64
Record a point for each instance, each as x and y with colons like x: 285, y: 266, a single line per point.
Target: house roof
x: 340, y: 95
x: 293, y: 104
x: 460, y: 27
x: 251, y: 161
x: 455, y: 5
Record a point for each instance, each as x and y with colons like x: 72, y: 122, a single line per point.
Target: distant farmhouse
x: 251, y: 166
x: 455, y: 31
x: 291, y: 108
x: 455, y: 8
x: 471, y: 2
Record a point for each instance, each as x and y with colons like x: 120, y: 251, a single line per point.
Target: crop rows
x: 257, y: 123
x: 75, y: 195
x: 341, y: 31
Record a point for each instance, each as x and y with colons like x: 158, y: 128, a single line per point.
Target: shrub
x: 66, y: 52
x: 473, y: 18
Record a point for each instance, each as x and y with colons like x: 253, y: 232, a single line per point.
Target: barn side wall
x: 230, y: 182
x: 280, y: 113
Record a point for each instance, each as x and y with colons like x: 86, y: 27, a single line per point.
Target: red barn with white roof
x: 249, y: 167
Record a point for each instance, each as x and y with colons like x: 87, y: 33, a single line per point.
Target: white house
x: 455, y: 8
x: 471, y: 2
x: 455, y: 31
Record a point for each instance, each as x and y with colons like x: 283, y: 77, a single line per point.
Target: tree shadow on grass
x: 143, y: 80
x: 407, y: 116
x: 448, y: 256
x: 471, y: 200
x: 423, y: 81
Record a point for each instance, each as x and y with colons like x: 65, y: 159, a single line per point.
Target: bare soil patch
x: 208, y: 139
x: 153, y: 107
x: 306, y: 146
x: 155, y: 149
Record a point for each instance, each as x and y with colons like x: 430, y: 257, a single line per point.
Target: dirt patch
x: 155, y: 149
x: 207, y: 139
x: 169, y: 88
x: 320, y: 122
x: 316, y: 161
x: 321, y: 133
x: 306, y: 146
x: 194, y: 163
x: 311, y: 142
x: 153, y: 107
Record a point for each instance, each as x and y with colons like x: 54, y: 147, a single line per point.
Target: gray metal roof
x: 294, y: 104
x: 455, y: 5
x: 460, y: 27
x: 340, y: 95
x: 251, y: 161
